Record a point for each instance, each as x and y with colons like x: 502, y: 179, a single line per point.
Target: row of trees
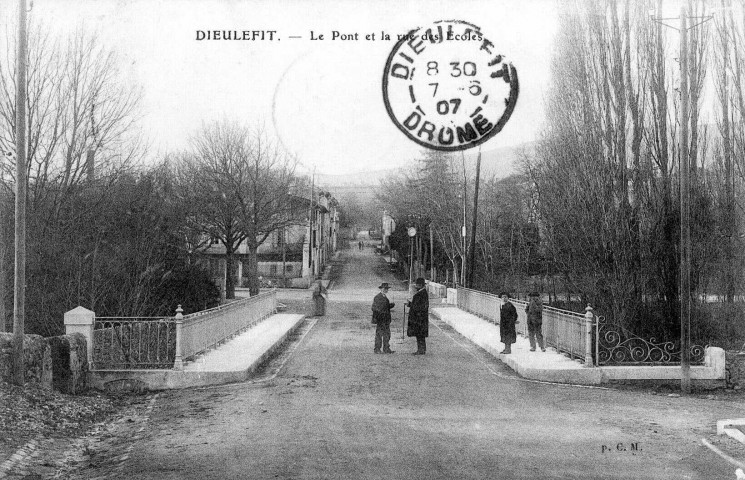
x: 594, y: 209
x: 108, y: 226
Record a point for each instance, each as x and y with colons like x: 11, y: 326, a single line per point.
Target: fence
x: 120, y: 343
x: 437, y: 290
x: 201, y: 331
x: 615, y: 345
x: 568, y: 332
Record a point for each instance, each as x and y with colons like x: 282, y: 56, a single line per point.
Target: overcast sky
x: 321, y: 98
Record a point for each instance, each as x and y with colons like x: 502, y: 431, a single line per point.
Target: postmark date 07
x: 446, y: 94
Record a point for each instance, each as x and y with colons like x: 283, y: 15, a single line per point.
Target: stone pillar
x: 305, y: 267
x: 80, y: 320
x: 589, y: 320
x: 178, y: 363
x: 239, y: 275
x: 223, y: 279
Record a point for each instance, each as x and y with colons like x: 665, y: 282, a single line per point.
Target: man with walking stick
x: 419, y: 317
x: 381, y: 317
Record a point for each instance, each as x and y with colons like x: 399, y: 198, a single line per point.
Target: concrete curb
x: 174, y: 379
x: 723, y: 428
x: 575, y: 373
x: 556, y: 367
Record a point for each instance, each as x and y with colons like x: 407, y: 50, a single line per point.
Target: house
x: 292, y: 256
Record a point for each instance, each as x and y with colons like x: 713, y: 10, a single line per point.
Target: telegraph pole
x: 19, y: 299
x: 685, y: 215
x: 472, y: 248
x: 684, y: 286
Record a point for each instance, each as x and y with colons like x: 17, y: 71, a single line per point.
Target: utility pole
x: 463, y: 242
x: 432, y: 270
x: 472, y: 249
x: 284, y: 257
x: 684, y: 286
x: 685, y: 215
x: 311, y: 233
x: 19, y: 300
x: 463, y: 256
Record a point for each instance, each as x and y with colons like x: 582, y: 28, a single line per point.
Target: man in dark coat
x: 381, y: 311
x: 507, y: 321
x: 419, y: 317
x: 534, y: 309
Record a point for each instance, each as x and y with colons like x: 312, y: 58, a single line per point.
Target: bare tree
x: 266, y: 203
x: 82, y: 136
x: 240, y: 184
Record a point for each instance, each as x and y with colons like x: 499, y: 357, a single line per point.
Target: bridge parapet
x: 126, y: 343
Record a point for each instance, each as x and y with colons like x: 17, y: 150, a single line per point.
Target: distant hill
x: 500, y: 162
x: 372, y: 177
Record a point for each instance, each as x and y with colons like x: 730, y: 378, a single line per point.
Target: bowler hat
x: 384, y: 285
x: 419, y: 282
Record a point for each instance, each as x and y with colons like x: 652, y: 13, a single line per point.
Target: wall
x: 37, y: 358
x: 69, y: 363
x: 735, y: 370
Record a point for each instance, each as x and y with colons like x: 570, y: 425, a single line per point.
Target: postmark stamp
x: 447, y: 87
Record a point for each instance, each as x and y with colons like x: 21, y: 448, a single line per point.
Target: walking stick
x: 403, y: 325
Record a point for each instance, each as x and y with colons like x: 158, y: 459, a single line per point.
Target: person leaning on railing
x: 534, y: 309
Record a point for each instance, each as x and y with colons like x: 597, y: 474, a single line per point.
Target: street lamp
x: 412, y: 233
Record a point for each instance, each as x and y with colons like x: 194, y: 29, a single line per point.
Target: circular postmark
x: 447, y: 87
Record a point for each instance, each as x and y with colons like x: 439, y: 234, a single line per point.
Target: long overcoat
x: 381, y: 310
x: 419, y: 315
x: 507, y: 320
x: 534, y: 309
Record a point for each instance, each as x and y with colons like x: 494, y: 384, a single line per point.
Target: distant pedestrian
x: 319, y: 299
x: 534, y: 310
x: 419, y: 317
x: 360, y: 244
x: 381, y: 317
x: 507, y: 321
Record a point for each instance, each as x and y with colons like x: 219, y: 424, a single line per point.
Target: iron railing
x: 436, y: 290
x: 122, y: 343
x: 564, y: 330
x: 203, y: 330
x: 615, y: 345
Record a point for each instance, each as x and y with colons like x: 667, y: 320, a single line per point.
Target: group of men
x: 508, y: 319
x: 418, y: 325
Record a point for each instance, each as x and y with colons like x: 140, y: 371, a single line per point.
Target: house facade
x: 292, y: 256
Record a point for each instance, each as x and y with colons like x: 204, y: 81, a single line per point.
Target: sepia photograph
x: 353, y: 239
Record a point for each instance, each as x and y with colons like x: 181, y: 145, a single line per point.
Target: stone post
x: 589, y: 320
x: 80, y: 320
x: 178, y: 363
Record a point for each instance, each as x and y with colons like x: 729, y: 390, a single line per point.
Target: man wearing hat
x: 534, y: 309
x: 381, y: 309
x: 507, y: 321
x: 419, y: 317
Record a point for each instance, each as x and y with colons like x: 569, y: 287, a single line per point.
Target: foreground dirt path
x: 334, y: 410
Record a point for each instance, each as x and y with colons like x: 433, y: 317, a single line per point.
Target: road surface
x: 328, y: 408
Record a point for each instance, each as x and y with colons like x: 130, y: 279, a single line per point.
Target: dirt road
x: 331, y: 409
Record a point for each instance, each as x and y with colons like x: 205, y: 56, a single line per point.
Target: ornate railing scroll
x: 614, y: 345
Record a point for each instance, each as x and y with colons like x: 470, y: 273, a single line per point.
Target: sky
x: 322, y: 98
